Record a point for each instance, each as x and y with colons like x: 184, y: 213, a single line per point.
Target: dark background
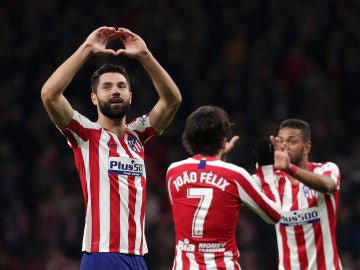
x: 262, y: 61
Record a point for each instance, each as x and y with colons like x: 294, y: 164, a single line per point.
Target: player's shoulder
x: 216, y: 164
x: 324, y: 166
x: 184, y: 162
x: 234, y: 167
x: 139, y: 120
x: 84, y: 121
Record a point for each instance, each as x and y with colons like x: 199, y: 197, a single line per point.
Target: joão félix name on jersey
x: 203, y: 177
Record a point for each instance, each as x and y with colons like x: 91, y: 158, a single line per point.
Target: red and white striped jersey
x: 113, y: 180
x: 306, y: 232
x: 206, y: 194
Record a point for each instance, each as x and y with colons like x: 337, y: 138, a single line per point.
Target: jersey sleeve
x: 141, y: 126
x: 264, y: 199
x: 330, y: 169
x: 77, y: 130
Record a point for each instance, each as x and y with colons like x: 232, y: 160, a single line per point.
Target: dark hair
x: 106, y: 68
x: 298, y: 124
x: 205, y: 130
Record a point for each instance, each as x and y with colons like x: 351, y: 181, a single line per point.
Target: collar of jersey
x: 200, y: 157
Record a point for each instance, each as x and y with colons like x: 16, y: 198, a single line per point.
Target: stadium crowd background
x: 262, y: 61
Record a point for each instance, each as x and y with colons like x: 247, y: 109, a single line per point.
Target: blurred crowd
x: 262, y: 61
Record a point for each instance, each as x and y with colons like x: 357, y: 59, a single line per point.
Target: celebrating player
x: 206, y: 194
x: 109, y: 153
x: 309, y: 194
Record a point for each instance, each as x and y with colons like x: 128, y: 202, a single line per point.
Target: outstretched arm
x: 57, y: 106
x: 169, y: 94
x: 321, y: 183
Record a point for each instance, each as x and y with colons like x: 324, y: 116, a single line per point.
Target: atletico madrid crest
x: 309, y: 193
x: 134, y: 144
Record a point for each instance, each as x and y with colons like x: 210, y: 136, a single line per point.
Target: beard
x: 296, y: 158
x: 114, y: 113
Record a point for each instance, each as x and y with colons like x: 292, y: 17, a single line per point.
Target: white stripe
x: 88, y: 221
x: 104, y: 197
x: 325, y: 227
x: 178, y: 259
x: 210, y: 261
x: 192, y: 261
x: 228, y: 260
x: 308, y: 229
x: 280, y: 246
x: 169, y: 190
x: 124, y: 215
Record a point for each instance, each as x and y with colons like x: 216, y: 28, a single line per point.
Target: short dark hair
x: 302, y: 125
x: 106, y: 68
x: 205, y: 130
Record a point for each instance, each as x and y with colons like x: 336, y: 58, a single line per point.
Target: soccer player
x: 206, y: 194
x: 309, y: 194
x: 109, y: 153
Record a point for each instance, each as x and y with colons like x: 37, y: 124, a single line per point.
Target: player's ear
x: 307, y: 147
x: 94, y: 98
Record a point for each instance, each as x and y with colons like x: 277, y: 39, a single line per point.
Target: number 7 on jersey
x: 205, y: 195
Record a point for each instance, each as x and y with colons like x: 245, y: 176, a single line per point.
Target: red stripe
x: 319, y: 244
x: 185, y: 261
x: 299, y: 233
x: 78, y: 129
x: 200, y: 261
x: 131, y: 205
x: 114, y: 214
x: 114, y: 203
x: 94, y: 190
x: 286, y: 250
x: 79, y: 162
x: 301, y: 247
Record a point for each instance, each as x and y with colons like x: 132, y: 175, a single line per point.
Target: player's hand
x: 282, y: 159
x: 134, y: 45
x: 229, y: 145
x: 99, y: 38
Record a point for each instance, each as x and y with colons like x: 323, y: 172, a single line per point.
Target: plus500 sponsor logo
x: 300, y: 217
x: 126, y: 166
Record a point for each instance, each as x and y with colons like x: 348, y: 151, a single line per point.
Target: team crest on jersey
x: 309, y: 193
x: 134, y: 144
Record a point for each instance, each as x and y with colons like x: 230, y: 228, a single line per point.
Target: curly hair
x: 206, y: 130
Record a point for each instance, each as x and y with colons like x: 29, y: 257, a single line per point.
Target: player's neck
x: 303, y: 164
x: 117, y: 126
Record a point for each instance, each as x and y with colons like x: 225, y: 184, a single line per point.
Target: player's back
x: 205, y: 198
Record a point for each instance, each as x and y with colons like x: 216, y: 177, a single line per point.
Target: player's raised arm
x: 57, y: 106
x: 169, y: 94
